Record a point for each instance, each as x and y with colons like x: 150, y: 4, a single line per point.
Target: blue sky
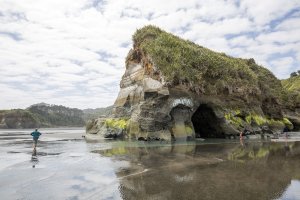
x: 73, y: 52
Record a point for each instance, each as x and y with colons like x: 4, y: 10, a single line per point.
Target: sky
x: 72, y: 52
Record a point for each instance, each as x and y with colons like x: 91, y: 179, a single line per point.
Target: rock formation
x: 173, y: 88
x: 292, y: 100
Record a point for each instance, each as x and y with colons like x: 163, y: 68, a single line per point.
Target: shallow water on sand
x: 68, y: 167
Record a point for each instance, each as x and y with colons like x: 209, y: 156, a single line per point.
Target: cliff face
x: 173, y: 88
x: 292, y: 100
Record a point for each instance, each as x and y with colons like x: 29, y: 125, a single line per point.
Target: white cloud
x: 73, y: 52
x: 282, y: 66
x: 263, y: 12
x: 218, y: 29
x: 242, y: 41
x: 289, y: 24
x: 280, y: 37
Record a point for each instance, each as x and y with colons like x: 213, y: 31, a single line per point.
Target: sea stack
x: 173, y: 88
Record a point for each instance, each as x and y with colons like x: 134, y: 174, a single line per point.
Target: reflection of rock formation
x: 261, y: 171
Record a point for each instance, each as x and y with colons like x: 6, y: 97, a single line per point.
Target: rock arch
x: 181, y: 125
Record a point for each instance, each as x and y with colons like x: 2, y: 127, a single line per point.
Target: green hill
x: 292, y: 88
x: 18, y: 118
x: 57, y: 115
x: 292, y: 84
x: 46, y: 115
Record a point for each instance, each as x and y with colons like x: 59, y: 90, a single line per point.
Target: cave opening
x: 206, y: 124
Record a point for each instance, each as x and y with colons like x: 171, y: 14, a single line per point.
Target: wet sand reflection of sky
x: 213, y: 169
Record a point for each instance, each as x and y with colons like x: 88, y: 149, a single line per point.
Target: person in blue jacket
x: 35, y: 135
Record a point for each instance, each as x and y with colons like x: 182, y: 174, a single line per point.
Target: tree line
x: 297, y: 73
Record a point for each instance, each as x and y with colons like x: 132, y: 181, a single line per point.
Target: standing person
x: 35, y: 135
x: 285, y: 131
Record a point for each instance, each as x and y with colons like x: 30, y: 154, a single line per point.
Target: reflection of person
x: 241, y: 135
x: 34, y: 158
x: 35, y: 135
x: 241, y: 139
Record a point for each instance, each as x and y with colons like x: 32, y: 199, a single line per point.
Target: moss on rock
x: 116, y: 123
x: 233, y: 118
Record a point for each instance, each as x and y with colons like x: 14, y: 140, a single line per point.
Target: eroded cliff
x: 173, y: 88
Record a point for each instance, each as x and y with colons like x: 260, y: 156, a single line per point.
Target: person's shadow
x: 34, y: 158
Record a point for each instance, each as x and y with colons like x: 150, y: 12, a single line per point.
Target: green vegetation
x: 45, y: 115
x: 114, y: 123
x: 292, y: 84
x: 234, y: 118
x: 54, y: 115
x: 18, y: 118
x: 287, y: 123
x: 292, y: 91
x: 294, y: 74
x: 238, y: 121
x: 257, y: 119
x: 41, y: 115
x: 184, y: 61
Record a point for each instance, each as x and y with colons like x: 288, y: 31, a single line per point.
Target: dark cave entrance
x: 206, y: 124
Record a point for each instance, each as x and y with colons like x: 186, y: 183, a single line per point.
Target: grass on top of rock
x: 292, y: 84
x: 185, y: 61
x: 292, y: 91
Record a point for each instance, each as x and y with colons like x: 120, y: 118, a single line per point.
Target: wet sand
x: 68, y: 167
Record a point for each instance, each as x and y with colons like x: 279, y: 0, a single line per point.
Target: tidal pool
x: 68, y: 167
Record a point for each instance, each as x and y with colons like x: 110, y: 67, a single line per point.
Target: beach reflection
x: 208, y: 171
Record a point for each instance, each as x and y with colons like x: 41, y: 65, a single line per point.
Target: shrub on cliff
x: 292, y: 91
x: 293, y: 74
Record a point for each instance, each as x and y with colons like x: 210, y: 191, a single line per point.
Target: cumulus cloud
x: 73, y: 52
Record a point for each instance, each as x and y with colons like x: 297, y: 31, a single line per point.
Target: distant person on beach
x: 285, y: 131
x: 35, y: 134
